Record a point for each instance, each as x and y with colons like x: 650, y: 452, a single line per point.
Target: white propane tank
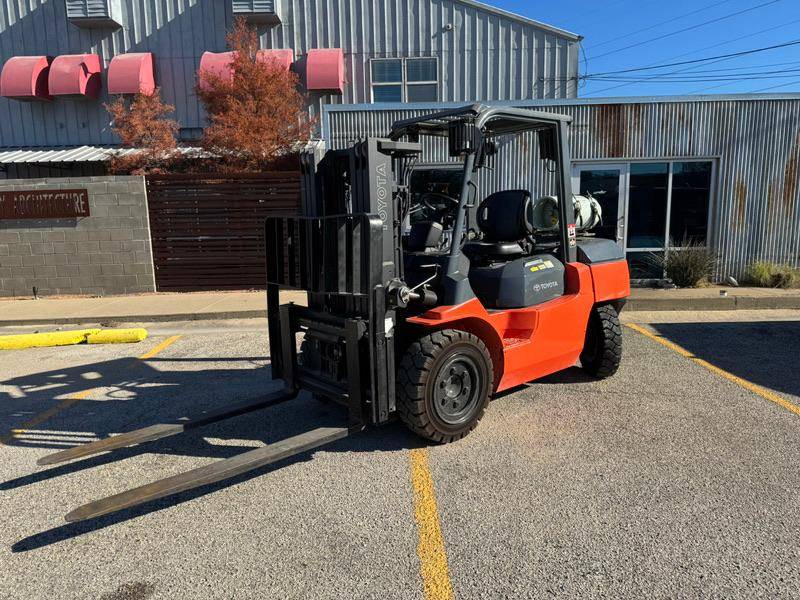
x: 588, y: 213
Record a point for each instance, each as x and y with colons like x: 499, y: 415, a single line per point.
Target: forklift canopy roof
x: 491, y: 120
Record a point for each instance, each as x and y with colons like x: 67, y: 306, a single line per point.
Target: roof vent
x: 95, y: 14
x: 256, y: 11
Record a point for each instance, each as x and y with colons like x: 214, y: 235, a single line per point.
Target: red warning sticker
x: 571, y: 234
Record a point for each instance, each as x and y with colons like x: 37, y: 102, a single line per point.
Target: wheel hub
x: 456, y: 390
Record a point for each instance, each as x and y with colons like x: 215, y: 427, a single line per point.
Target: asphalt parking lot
x: 669, y: 480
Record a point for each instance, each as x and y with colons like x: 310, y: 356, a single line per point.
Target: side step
x: 219, y: 471
x: 162, y: 430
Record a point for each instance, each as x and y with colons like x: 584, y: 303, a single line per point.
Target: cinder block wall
x: 106, y: 253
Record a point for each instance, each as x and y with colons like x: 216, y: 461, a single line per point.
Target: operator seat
x: 506, y: 221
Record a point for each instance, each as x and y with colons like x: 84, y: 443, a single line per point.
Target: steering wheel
x: 426, y: 198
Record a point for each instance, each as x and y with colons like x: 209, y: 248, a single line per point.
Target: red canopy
x: 216, y: 63
x: 283, y: 57
x: 219, y: 63
x: 25, y: 78
x: 325, y: 70
x: 75, y: 76
x: 131, y: 73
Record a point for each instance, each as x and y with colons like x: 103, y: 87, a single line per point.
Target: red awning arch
x: 219, y: 63
x: 25, y: 78
x: 132, y: 73
x: 75, y: 76
x: 282, y: 57
x: 325, y: 70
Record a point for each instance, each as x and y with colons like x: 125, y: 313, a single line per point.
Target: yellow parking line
x: 756, y: 389
x: 430, y: 549
x: 51, y: 412
x: 165, y: 344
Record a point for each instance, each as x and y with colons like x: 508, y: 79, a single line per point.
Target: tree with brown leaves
x: 141, y: 123
x: 256, y: 115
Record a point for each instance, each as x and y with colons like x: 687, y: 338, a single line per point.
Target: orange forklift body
x: 529, y: 343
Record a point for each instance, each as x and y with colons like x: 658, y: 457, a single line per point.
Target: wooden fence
x: 208, y: 232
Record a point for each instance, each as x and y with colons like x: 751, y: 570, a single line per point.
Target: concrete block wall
x: 106, y: 253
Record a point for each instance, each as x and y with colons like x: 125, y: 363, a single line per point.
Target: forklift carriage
x: 422, y: 300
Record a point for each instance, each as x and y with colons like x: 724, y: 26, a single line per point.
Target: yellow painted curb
x: 70, y: 338
x: 117, y: 336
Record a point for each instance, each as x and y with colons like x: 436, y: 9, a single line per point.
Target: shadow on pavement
x: 764, y: 353
x: 392, y: 437
x: 140, y: 394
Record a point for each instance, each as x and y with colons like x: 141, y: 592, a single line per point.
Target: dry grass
x: 691, y: 265
x: 771, y: 275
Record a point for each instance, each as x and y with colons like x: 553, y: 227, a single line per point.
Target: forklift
x: 428, y: 291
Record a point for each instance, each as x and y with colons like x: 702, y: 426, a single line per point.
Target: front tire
x: 444, y: 382
x: 602, y: 351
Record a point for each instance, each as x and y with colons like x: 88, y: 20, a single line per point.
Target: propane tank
x: 588, y: 213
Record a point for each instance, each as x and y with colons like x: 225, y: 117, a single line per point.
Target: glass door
x: 607, y: 183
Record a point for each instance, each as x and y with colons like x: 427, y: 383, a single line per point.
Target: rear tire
x: 602, y: 351
x: 443, y: 385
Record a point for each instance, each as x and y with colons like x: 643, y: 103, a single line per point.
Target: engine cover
x: 518, y: 283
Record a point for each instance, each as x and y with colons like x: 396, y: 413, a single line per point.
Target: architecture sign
x: 44, y: 204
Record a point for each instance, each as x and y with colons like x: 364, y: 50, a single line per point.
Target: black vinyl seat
x: 506, y: 221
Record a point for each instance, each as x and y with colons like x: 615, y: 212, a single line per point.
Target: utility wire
x: 701, y: 60
x: 657, y: 25
x: 693, y: 75
x: 775, y: 87
x: 711, y: 47
x: 691, y: 28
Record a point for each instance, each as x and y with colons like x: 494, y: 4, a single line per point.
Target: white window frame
x: 405, y: 83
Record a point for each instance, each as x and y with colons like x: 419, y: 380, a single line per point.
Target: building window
x: 405, y: 80
x: 647, y: 205
x: 650, y: 208
x: 691, y: 198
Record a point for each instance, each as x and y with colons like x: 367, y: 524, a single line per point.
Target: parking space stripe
x: 756, y: 389
x: 51, y: 412
x: 430, y: 549
x: 161, y: 347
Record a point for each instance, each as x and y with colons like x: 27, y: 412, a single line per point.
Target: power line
x: 711, y: 78
x: 700, y: 60
x: 691, y: 28
x: 775, y: 87
x: 695, y: 75
x: 712, y: 46
x: 657, y: 25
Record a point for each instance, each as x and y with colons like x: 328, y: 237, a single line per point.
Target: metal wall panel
x: 755, y: 142
x: 484, y: 56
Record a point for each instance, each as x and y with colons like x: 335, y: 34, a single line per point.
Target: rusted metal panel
x: 208, y: 233
x: 44, y: 204
x: 753, y: 140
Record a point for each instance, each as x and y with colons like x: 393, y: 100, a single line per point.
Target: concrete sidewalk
x: 241, y: 305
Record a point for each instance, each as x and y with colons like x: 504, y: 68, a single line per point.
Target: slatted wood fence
x: 208, y: 232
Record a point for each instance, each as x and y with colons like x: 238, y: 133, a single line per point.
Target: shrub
x: 690, y: 265
x: 141, y: 123
x: 255, y: 117
x: 767, y: 274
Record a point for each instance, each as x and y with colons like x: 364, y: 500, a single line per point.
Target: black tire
x: 443, y: 385
x: 602, y: 351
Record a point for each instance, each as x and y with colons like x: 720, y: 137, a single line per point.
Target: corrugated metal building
x: 468, y: 51
x: 721, y: 169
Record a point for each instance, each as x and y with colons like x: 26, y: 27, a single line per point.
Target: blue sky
x: 608, y: 26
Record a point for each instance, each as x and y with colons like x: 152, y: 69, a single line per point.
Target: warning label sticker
x: 539, y: 265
